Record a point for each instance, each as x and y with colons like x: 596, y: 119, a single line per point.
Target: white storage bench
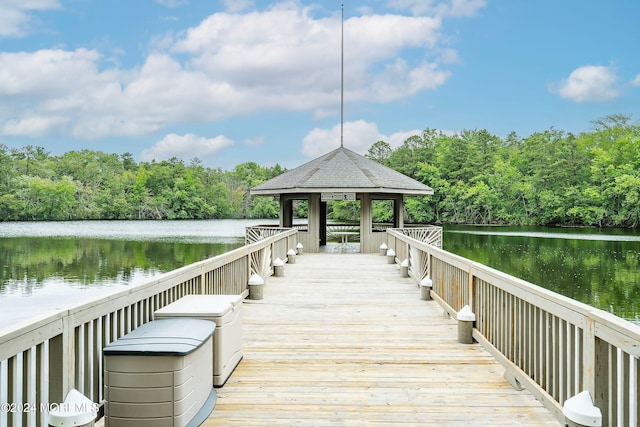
x: 160, y: 374
x: 226, y: 312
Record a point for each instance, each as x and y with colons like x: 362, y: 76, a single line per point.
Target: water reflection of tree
x: 28, y: 262
x: 597, y: 272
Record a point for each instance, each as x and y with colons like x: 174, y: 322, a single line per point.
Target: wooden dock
x: 343, y: 340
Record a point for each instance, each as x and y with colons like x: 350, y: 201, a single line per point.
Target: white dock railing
x: 554, y: 346
x: 40, y: 361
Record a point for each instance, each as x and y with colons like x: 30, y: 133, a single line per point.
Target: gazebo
x: 340, y: 175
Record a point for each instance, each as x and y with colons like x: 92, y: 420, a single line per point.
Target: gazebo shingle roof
x: 342, y: 170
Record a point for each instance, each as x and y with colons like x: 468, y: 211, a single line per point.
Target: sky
x: 234, y: 81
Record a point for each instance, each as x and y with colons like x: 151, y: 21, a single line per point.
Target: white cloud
x: 47, y: 73
x: 464, y: 7
x: 231, y: 64
x: 440, y: 8
x: 395, y: 140
x: 449, y: 56
x: 253, y: 142
x: 385, y: 87
x: 185, y: 147
x: 359, y: 136
x: 237, y: 5
x: 172, y: 3
x: 16, y: 15
x: 283, y: 58
x: 35, y: 126
x: 42, y: 87
x: 589, y: 83
x: 636, y: 80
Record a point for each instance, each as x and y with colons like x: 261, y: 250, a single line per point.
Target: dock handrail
x: 259, y: 232
x: 43, y: 358
x: 552, y: 345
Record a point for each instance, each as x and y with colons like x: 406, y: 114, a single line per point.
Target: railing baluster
x: 40, y: 382
x: 613, y: 385
x: 96, y: 394
x: 78, y: 338
x: 27, y: 381
x: 56, y: 369
x: 538, y: 347
x: 635, y: 397
x: 548, y: 361
x: 625, y: 404
x: 556, y: 377
x: 12, y: 386
x: 570, y: 366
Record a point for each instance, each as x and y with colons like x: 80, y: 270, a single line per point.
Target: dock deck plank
x: 343, y: 340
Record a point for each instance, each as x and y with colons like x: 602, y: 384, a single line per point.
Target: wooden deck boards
x: 343, y: 340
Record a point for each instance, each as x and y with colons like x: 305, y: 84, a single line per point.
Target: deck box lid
x: 201, y: 306
x: 164, y: 337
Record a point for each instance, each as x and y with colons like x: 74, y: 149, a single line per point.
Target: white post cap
x: 278, y: 262
x: 76, y: 410
x: 255, y: 279
x: 383, y: 246
x: 427, y: 282
x: 580, y: 410
x: 466, y: 314
x: 404, y: 263
x: 291, y: 252
x: 391, y: 252
x: 299, y: 246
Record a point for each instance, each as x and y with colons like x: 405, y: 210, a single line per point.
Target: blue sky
x: 232, y: 81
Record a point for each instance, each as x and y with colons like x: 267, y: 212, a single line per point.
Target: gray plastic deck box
x: 226, y: 312
x: 160, y: 375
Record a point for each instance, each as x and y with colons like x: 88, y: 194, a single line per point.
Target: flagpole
x: 342, y: 79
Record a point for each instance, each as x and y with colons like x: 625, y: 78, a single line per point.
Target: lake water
x: 600, y: 267
x: 48, y: 266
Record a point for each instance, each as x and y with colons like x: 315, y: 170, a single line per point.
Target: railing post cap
x: 291, y: 252
x: 426, y: 282
x: 465, y: 314
x: 77, y: 409
x: 299, y: 246
x: 383, y: 246
x: 255, y: 279
x: 278, y: 262
x: 404, y: 263
x: 580, y: 410
x: 391, y: 252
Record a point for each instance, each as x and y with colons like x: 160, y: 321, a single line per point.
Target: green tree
x: 6, y: 169
x: 547, y: 178
x: 44, y: 199
x: 380, y: 151
x: 415, y: 149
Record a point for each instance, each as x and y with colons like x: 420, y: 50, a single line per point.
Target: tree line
x: 547, y: 178
x: 550, y: 178
x: 88, y: 184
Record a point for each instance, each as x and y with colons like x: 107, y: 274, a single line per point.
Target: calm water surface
x: 48, y: 266
x: 52, y: 265
x: 600, y: 267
